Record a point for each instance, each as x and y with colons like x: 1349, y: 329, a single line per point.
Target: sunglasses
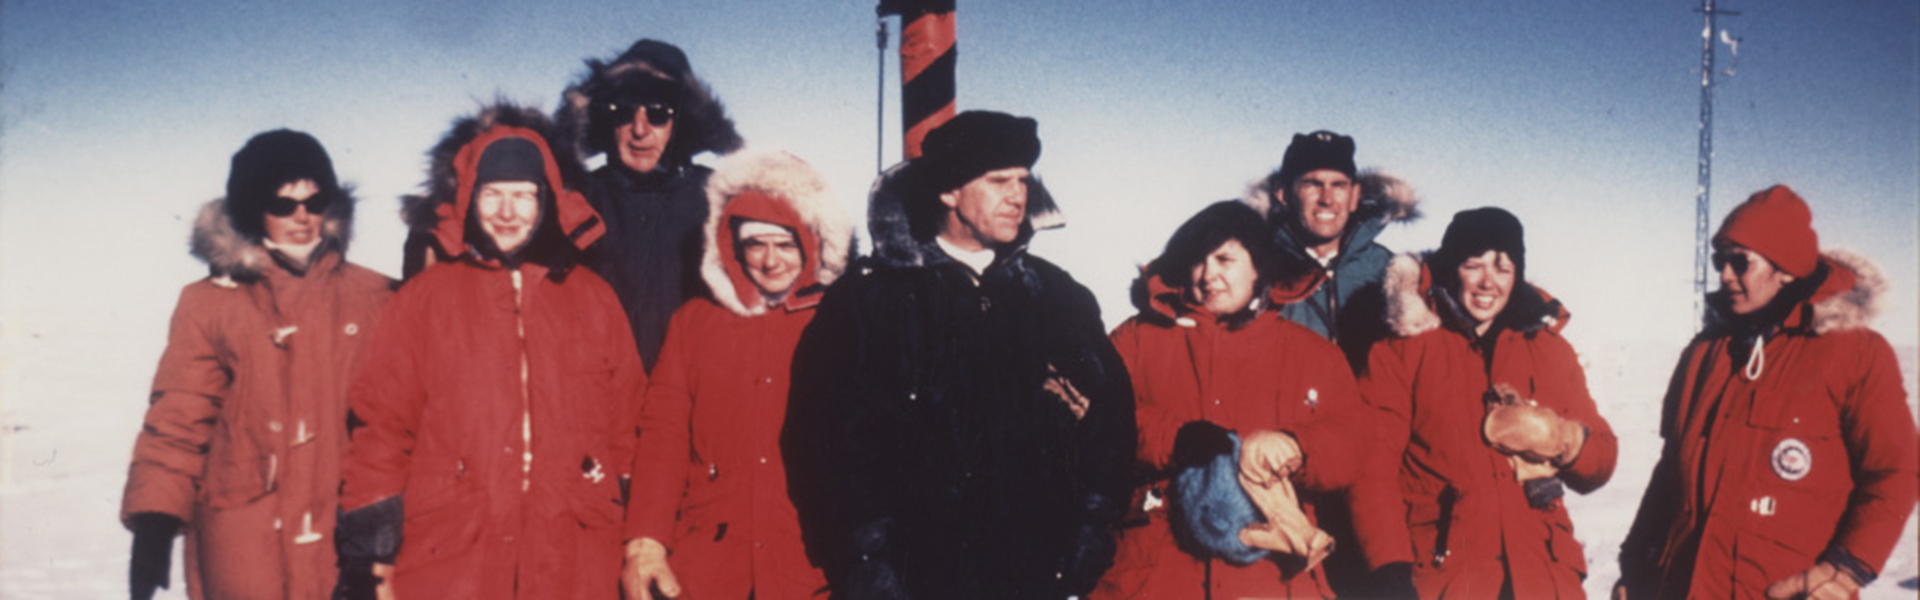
x: 658, y: 114
x: 1738, y: 260
x: 316, y: 204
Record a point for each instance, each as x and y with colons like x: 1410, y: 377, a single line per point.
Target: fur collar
x: 789, y: 179
x: 1850, y: 297
x: 902, y: 237
x: 1383, y: 197
x: 1414, y: 307
x: 232, y: 256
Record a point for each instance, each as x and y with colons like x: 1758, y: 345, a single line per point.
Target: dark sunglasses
x: 316, y: 204
x: 1739, y: 260
x: 619, y: 113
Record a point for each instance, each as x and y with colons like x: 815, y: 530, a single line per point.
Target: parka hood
x: 234, y: 256
x: 1384, y: 199
x: 779, y: 188
x: 442, y: 209
x: 1415, y: 306
x: 903, y: 226
x: 701, y: 123
x: 1850, y: 295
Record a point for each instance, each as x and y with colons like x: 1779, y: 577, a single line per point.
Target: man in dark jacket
x: 649, y: 114
x: 959, y: 426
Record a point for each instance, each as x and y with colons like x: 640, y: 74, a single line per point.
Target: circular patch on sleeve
x: 1792, y: 460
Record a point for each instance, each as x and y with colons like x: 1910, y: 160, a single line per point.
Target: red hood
x: 576, y: 218
x: 757, y: 206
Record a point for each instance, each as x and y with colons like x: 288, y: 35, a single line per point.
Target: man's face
x: 1751, y: 281
x: 508, y: 212
x: 1321, y: 201
x: 1486, y: 283
x: 301, y: 227
x: 992, y: 206
x: 1223, y: 281
x: 772, y: 261
x: 641, y: 139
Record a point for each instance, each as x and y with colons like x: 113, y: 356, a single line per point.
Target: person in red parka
x: 246, y: 429
x: 1207, y: 352
x: 1487, y: 407
x: 1789, y: 463
x: 710, y: 488
x: 499, y: 410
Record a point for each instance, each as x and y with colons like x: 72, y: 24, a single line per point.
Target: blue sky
x: 119, y: 119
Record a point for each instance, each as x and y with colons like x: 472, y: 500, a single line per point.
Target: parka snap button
x: 763, y: 460
x: 985, y: 303
x: 274, y: 426
x: 353, y: 329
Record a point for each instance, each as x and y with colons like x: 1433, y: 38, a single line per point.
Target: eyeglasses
x: 621, y: 113
x: 1739, y: 260
x: 281, y: 206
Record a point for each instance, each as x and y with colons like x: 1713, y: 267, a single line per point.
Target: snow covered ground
x: 74, y: 393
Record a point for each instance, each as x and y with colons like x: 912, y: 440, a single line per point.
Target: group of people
x: 697, y: 388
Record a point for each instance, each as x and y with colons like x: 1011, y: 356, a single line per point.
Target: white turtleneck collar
x: 977, y: 260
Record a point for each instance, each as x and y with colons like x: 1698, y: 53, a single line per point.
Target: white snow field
x: 74, y: 394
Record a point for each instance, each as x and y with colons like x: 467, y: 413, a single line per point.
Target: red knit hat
x: 1776, y: 223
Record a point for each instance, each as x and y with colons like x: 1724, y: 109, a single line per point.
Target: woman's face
x: 1486, y: 283
x: 1223, y: 281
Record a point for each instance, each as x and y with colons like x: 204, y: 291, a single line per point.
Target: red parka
x: 247, y: 428
x: 501, y: 406
x: 1473, y: 531
x: 1246, y: 372
x: 709, y: 480
x: 1812, y: 450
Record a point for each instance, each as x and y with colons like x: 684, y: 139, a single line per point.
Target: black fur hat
x: 648, y: 70
x: 1472, y: 233
x: 268, y: 161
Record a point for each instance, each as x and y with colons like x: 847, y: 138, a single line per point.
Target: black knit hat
x: 510, y: 159
x: 1213, y: 226
x: 970, y: 145
x: 1311, y: 152
x: 268, y: 161
x: 1474, y: 232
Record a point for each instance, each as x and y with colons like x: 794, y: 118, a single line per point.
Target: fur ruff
x: 420, y: 211
x: 702, y: 124
x: 1855, y: 307
x: 788, y: 178
x: 1407, y: 309
x: 234, y: 256
x: 1382, y: 196
x: 892, y: 225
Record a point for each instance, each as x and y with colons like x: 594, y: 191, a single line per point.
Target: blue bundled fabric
x: 1210, y: 508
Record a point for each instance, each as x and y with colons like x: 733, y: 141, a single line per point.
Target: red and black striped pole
x: 926, y: 67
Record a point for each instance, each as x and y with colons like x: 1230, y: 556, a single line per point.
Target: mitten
x: 152, y: 553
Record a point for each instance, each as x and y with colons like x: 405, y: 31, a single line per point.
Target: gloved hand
x: 1822, y: 582
x: 1394, y: 580
x: 152, y: 559
x: 365, y: 538
x: 647, y: 569
x: 1269, y: 456
x: 1522, y: 428
x: 1197, y: 443
x: 1287, y: 529
x: 1093, y: 551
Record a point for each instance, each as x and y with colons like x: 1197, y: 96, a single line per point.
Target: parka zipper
x: 526, y: 396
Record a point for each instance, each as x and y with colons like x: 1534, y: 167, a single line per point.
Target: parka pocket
x: 445, y: 512
x: 1563, y: 548
x: 237, y: 475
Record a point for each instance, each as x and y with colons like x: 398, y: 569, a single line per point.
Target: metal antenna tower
x: 1705, y: 184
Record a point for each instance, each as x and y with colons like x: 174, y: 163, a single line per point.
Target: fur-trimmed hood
x: 779, y: 188
x: 420, y: 211
x: 701, y: 123
x: 1384, y: 199
x: 232, y: 256
x: 1849, y: 296
x: 903, y: 228
x: 1415, y: 306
